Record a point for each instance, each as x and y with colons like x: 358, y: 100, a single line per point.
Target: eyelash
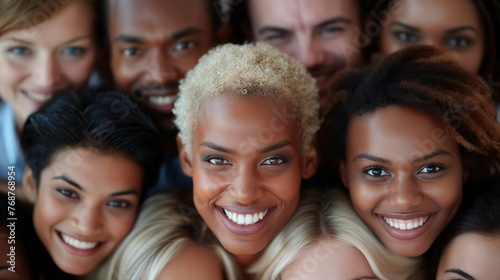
x: 67, y: 193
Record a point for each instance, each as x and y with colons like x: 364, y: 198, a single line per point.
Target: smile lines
x: 406, y: 224
x: 245, y: 219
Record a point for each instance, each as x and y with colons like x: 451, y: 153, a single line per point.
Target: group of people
x: 257, y: 139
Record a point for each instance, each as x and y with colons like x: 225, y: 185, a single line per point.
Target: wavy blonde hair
x: 161, y: 232
x: 251, y: 70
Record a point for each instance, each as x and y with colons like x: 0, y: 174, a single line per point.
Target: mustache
x: 139, y: 90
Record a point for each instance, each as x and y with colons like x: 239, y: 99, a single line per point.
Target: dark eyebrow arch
x: 275, y: 146
x: 460, y: 29
x: 216, y: 147
x: 126, y: 192
x: 366, y: 277
x: 460, y: 272
x: 434, y: 154
x: 372, y: 158
x: 405, y: 26
x: 69, y: 181
x: 76, y: 185
x: 186, y: 32
x: 127, y: 39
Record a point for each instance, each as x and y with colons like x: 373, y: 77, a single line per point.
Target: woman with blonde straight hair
x: 326, y: 239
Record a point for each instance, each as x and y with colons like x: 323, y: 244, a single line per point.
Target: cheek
x: 125, y: 72
x: 119, y: 227
x: 11, y: 74
x: 471, y: 61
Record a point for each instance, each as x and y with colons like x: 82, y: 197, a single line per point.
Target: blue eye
x: 330, y: 30
x: 430, y: 169
x: 73, y: 51
x: 19, y: 51
x: 376, y: 172
x: 67, y: 193
x: 119, y: 204
x: 277, y: 37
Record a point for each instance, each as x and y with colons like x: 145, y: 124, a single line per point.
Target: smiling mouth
x: 162, y: 100
x: 406, y: 224
x: 38, y: 97
x: 245, y: 219
x: 78, y: 244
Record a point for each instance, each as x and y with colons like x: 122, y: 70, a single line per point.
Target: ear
x: 184, y: 159
x: 343, y: 174
x: 310, y: 161
x: 29, y: 184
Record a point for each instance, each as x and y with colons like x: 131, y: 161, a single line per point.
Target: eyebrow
x: 267, y: 149
x: 434, y: 154
x: 177, y: 35
x: 21, y: 41
x: 76, y: 185
x: 333, y: 21
x: 460, y: 272
x: 319, y: 25
x: 405, y: 26
x: 460, y: 29
x: 366, y: 277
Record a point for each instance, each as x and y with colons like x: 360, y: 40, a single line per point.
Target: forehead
x: 445, y: 14
x: 402, y: 130
x: 72, y: 20
x: 143, y: 16
x: 244, y: 119
x: 296, y: 14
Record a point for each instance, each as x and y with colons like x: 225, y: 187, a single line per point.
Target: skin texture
x: 208, y: 265
x: 451, y: 24
x: 328, y: 259
x: 322, y: 34
x: 36, y: 62
x: 21, y: 264
x: 241, y: 164
x: 154, y: 43
x: 400, y: 164
x: 471, y: 256
x: 103, y: 209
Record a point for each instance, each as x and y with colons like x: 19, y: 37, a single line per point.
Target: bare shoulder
x: 193, y: 262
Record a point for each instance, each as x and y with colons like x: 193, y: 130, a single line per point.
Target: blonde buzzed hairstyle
x: 250, y: 70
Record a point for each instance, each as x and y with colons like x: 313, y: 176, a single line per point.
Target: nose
x: 161, y: 68
x: 246, y: 186
x: 404, y: 193
x: 47, y: 72
x: 310, y: 54
x: 87, y: 219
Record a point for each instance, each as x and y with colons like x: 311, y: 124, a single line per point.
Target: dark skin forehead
x: 136, y: 17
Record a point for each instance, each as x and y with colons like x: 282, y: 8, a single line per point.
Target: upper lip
x: 246, y: 210
x: 79, y: 237
x: 404, y: 216
x: 49, y: 91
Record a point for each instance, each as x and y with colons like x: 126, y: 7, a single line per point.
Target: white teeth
x: 162, y: 100
x: 38, y: 97
x: 245, y: 219
x: 406, y: 224
x: 78, y: 244
x: 320, y: 79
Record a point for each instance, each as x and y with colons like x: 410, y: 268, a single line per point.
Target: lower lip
x: 408, y: 234
x: 76, y: 251
x: 242, y: 229
x: 167, y: 108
